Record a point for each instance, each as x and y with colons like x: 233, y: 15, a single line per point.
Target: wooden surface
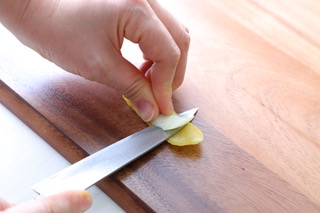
x: 254, y: 73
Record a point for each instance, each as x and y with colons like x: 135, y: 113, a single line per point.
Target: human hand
x: 85, y: 38
x: 70, y: 201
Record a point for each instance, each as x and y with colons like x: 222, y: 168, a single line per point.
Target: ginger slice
x: 167, y: 122
x: 188, y: 135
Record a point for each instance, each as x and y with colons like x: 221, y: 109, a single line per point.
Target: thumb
x: 74, y: 201
x: 134, y: 85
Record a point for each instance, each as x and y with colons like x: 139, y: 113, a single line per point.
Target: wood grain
x: 253, y: 72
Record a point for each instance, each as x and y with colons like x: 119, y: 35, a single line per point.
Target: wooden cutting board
x: 254, y: 73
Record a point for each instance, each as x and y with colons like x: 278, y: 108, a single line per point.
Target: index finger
x: 180, y: 34
x: 157, y: 45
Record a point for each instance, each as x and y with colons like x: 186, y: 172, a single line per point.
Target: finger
x: 157, y: 45
x: 121, y: 75
x: 180, y: 35
x: 70, y: 201
x: 145, y: 66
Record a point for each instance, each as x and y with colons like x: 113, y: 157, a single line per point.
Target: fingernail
x: 86, y: 201
x: 145, y: 110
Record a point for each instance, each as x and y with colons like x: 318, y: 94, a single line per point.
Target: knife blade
x: 95, y: 167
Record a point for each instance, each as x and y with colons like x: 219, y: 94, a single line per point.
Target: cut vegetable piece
x: 167, y: 122
x: 129, y: 103
x: 189, y: 135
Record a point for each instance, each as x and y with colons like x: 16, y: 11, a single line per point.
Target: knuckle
x: 133, y: 89
x: 186, y: 29
x: 176, y: 53
x: 184, y: 42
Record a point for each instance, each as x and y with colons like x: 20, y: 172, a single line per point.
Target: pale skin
x: 74, y: 201
x: 85, y: 37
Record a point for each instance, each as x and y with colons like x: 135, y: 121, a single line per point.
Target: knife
x: 95, y: 167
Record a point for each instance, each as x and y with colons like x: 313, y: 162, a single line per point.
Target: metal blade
x: 93, y: 168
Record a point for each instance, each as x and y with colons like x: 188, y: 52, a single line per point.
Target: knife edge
x: 105, y: 162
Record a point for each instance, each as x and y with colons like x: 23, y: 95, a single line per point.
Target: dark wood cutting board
x: 254, y: 74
